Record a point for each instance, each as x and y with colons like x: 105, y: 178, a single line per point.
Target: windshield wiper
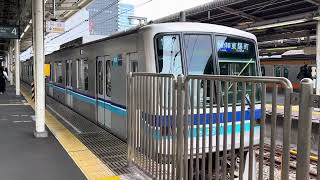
x: 242, y: 70
x: 245, y: 67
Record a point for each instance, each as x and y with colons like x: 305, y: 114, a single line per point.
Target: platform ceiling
x: 18, y: 12
x: 278, y: 24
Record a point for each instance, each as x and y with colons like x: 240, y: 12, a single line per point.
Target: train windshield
x: 236, y: 56
x: 199, y: 54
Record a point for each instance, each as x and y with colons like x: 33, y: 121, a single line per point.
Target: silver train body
x: 91, y: 78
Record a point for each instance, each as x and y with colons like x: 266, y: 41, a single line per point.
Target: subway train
x: 91, y: 78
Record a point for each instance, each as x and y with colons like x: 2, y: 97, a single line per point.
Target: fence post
x: 129, y: 116
x: 304, y: 130
x: 180, y: 147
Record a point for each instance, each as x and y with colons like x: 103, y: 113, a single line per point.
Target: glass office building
x: 107, y: 17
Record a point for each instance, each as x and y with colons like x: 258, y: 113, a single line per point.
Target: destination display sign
x: 237, y: 47
x: 9, y: 32
x: 54, y: 27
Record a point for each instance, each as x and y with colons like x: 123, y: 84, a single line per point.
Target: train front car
x: 197, y: 50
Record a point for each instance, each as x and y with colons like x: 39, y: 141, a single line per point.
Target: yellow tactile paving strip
x: 295, y: 109
x: 88, y: 163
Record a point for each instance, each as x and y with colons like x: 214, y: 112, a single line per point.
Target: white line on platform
x: 22, y: 121
x: 65, y: 120
x: 14, y: 104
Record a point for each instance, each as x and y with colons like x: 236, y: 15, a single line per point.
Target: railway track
x: 278, y: 157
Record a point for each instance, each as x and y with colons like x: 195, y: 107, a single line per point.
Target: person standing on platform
x: 3, y: 78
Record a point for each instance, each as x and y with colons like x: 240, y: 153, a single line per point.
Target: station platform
x: 62, y: 155
x: 22, y: 155
x: 75, y: 149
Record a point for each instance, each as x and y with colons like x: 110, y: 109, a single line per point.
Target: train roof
x: 197, y: 27
x: 175, y: 27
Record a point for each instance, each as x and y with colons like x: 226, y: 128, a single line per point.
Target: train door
x: 69, y: 99
x: 103, y: 68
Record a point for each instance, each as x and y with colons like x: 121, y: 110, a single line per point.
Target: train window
x: 51, y: 72
x: 108, y: 78
x: 83, y: 68
x: 100, y: 75
x: 69, y: 73
x: 169, y: 54
x: 286, y: 72
x: 134, y: 66
x: 58, y: 75
x: 277, y: 71
x: 199, y: 54
x: 263, y: 71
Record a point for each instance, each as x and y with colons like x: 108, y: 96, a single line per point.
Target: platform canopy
x: 278, y: 24
x: 17, y: 13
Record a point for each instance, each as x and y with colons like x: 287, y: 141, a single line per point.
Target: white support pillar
x: 17, y: 65
x: 10, y: 64
x: 40, y: 130
x: 318, y: 59
x: 33, y: 47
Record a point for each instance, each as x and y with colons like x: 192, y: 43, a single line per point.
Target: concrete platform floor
x: 21, y: 155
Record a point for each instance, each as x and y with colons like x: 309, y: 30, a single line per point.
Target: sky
x: 155, y: 9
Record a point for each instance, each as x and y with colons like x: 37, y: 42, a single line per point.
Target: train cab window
x: 83, y: 74
x: 199, y: 54
x: 169, y: 54
x: 108, y: 78
x: 58, y: 74
x: 199, y: 58
x: 69, y: 73
x: 237, y: 57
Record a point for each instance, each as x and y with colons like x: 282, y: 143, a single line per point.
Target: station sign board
x: 9, y: 32
x: 54, y: 27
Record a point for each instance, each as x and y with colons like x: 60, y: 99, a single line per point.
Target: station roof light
x: 277, y: 24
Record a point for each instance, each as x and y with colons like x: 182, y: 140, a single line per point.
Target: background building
x: 107, y: 17
x: 99, y: 19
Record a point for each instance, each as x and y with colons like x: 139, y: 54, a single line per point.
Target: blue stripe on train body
x: 164, y: 119
x: 246, y: 128
x: 122, y: 112
x: 117, y: 109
